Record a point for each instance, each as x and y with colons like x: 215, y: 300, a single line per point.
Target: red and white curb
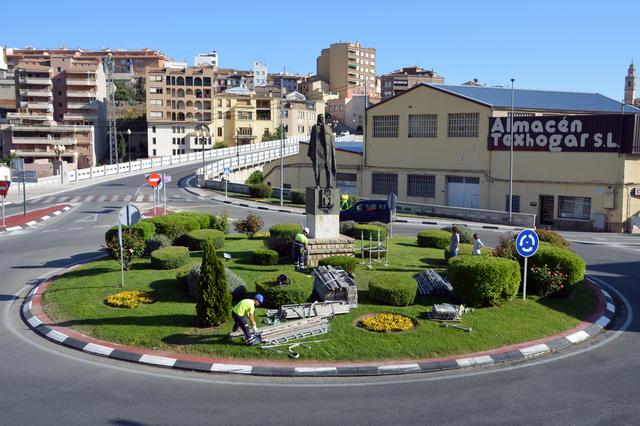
x: 35, y: 222
x: 35, y: 317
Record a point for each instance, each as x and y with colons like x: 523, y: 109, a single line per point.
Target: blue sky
x: 581, y: 46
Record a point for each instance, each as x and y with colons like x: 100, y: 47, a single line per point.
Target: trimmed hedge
x: 281, y: 238
x: 175, y: 225
x: 297, y: 291
x: 484, y: 280
x: 364, y: 230
x: 285, y: 230
x: 145, y: 229
x: 196, y: 240
x: 434, y: 238
x: 264, y: 257
x: 203, y: 218
x: 394, y: 290
x: 182, y: 276
x: 171, y: 257
x: 347, y: 263
x: 156, y: 242
x: 260, y: 190
x: 565, y: 261
x: 552, y: 238
x: 466, y: 234
x: 113, y: 232
x: 298, y: 197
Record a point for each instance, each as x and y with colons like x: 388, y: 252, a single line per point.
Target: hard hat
x: 306, y: 230
x: 259, y: 298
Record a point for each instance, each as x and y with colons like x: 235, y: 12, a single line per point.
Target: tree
x: 8, y: 159
x: 123, y: 92
x: 122, y: 147
x: 274, y: 136
x: 255, y: 177
x: 213, y: 304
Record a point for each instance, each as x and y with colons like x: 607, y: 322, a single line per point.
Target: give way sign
x: 154, y: 179
x: 4, y: 187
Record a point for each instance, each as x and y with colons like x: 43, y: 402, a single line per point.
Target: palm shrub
x: 484, y: 280
x: 250, y: 225
x: 213, y: 305
x: 260, y: 190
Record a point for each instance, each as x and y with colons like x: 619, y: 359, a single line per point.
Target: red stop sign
x: 4, y: 187
x: 154, y: 179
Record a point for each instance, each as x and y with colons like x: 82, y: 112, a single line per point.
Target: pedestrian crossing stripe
x: 140, y: 198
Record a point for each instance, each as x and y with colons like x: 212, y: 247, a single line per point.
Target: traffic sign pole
x: 527, y: 243
x: 121, y: 253
x: 524, y: 282
x: 164, y: 193
x: 3, y: 223
x: 24, y: 195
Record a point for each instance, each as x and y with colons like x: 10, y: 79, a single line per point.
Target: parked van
x: 366, y: 211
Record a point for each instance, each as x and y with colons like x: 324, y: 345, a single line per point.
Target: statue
x: 322, y: 152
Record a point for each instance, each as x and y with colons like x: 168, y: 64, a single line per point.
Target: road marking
x: 45, y: 217
x: 36, y: 200
x: 97, y: 349
x: 76, y: 229
x: 115, y: 198
x: 14, y: 228
x: 90, y: 218
x: 51, y: 230
x: 127, y: 198
x: 57, y: 336
x: 139, y: 198
x: 157, y: 360
x: 88, y: 199
x: 231, y: 368
x: 31, y: 223
x: 57, y: 212
x: 49, y: 199
x: 476, y: 360
x: 102, y: 198
x: 75, y: 199
x: 534, y: 350
x: 66, y: 208
x: 61, y: 199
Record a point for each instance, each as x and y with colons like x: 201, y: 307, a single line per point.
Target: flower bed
x: 128, y: 299
x: 385, y: 322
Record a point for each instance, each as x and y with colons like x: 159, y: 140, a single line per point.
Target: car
x: 345, y: 133
x: 365, y: 211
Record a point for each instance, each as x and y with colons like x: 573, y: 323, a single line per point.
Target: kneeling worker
x: 246, y: 308
x: 299, y: 247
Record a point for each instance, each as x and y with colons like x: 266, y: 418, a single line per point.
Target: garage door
x: 463, y: 191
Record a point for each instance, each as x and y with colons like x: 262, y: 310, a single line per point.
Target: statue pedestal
x: 319, y: 248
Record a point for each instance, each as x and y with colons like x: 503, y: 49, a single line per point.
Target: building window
x: 574, y: 208
x: 515, y: 203
x: 155, y: 90
x: 219, y: 131
x: 385, y: 126
x: 423, y: 126
x: 155, y: 102
x: 384, y: 183
x: 155, y: 114
x: 463, y: 125
x: 153, y: 129
x: 154, y: 152
x: 421, y: 186
x: 154, y: 140
x: 155, y: 77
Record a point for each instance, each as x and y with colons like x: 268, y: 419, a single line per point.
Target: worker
x: 246, y: 307
x: 344, y: 201
x: 300, y: 246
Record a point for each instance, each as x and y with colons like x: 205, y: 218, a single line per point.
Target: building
x: 178, y: 99
x: 398, y: 81
x: 287, y: 80
x: 206, y: 59
x: 348, y: 67
x: 128, y: 63
x: 576, y: 160
x: 60, y: 101
x: 316, y: 89
x: 259, y: 74
x: 630, y: 86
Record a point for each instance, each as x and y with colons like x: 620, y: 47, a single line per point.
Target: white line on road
x: 76, y: 229
x: 31, y: 223
x: 49, y: 199
x: 114, y: 198
x: 14, y: 228
x: 127, y: 198
x: 75, y: 199
x: 102, y: 198
x: 88, y: 199
x: 139, y: 198
x: 61, y: 199
x: 45, y: 217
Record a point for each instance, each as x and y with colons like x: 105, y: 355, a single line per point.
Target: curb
x: 34, y: 222
x: 33, y: 314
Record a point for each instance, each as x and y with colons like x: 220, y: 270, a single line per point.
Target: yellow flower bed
x: 128, y: 299
x: 387, y: 322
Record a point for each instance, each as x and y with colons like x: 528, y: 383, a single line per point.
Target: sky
x: 568, y: 45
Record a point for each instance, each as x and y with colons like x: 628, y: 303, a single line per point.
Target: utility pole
x: 282, y: 138
x: 511, y: 153
x: 109, y: 68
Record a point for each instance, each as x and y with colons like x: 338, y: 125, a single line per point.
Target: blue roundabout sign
x: 527, y: 243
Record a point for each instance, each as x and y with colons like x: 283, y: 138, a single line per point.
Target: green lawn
x: 270, y: 200
x: 76, y: 301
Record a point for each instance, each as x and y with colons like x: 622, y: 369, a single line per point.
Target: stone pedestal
x: 323, y: 212
x: 319, y: 248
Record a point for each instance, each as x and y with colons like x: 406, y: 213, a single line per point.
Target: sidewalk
x: 32, y: 218
x: 216, y: 196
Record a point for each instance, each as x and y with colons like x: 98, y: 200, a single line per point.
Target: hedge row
x: 434, y: 238
x: 564, y: 261
x: 264, y: 257
x: 484, y: 280
x: 347, y: 263
x: 175, y: 225
x: 170, y: 257
x: 281, y: 238
x: 395, y: 290
x: 297, y: 291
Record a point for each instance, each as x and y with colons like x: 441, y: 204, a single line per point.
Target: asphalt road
x: 43, y: 383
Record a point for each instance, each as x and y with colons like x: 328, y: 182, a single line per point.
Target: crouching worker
x: 299, y: 248
x: 246, y: 308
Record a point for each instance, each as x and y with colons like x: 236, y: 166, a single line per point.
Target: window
x: 515, y: 203
x: 219, y: 131
x: 574, y: 208
x: 384, y: 183
x: 173, y: 129
x: 153, y: 129
x: 423, y: 126
x: 59, y: 92
x: 385, y: 126
x: 155, y: 90
x: 155, y: 102
x: 347, y: 182
x: 189, y: 81
x: 173, y: 152
x: 421, y: 186
x: 155, y: 114
x: 154, y: 141
x: 155, y: 77
x: 59, y: 69
x: 463, y: 125
x: 173, y: 141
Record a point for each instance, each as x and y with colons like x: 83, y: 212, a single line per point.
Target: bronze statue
x: 322, y: 152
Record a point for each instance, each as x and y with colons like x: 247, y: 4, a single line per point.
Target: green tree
x: 274, y: 136
x: 8, y: 159
x: 122, y: 147
x: 213, y: 304
x: 124, y: 92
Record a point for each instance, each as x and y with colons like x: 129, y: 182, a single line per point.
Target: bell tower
x: 630, y: 85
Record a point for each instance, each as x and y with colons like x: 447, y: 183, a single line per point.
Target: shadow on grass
x: 198, y: 339
x: 580, y: 304
x: 173, y: 320
x: 167, y: 291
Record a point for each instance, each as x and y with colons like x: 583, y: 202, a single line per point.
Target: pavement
x: 32, y: 218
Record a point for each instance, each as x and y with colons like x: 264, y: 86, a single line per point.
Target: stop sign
x: 4, y: 187
x: 154, y: 179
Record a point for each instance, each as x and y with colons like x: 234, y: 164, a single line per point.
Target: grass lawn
x: 76, y: 301
x: 270, y: 200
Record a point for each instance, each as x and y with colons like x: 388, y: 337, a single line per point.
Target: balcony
x: 46, y: 81
x: 36, y: 93
x: 82, y: 105
x: 80, y: 116
x: 78, y: 82
x: 80, y: 94
x: 41, y: 154
x: 41, y: 106
x: 28, y: 116
x: 40, y: 140
x: 52, y: 129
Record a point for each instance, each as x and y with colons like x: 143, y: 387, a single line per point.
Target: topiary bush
x: 171, y: 257
x: 434, y: 238
x: 203, y: 218
x: 113, y: 232
x: 260, y: 190
x: 213, y: 305
x: 366, y: 230
x: 392, y: 289
x: 250, y: 225
x: 156, y: 242
x: 281, y: 238
x: 347, y: 226
x: 564, y: 261
x: 174, y: 225
x: 264, y: 257
x: 145, y: 229
x: 297, y: 291
x: 197, y: 239
x: 484, y: 280
x: 466, y: 234
x: 347, y: 263
x: 552, y: 238
x: 298, y: 197
x: 182, y: 276
x: 132, y: 247
x: 255, y: 177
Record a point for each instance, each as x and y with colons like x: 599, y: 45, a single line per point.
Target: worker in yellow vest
x: 344, y: 201
x: 300, y: 246
x: 246, y: 308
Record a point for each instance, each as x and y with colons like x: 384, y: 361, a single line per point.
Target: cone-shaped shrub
x: 214, y: 301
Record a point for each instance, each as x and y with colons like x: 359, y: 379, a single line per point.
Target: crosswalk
x: 135, y: 198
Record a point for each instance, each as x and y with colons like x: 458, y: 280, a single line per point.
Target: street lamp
x: 511, y: 154
x: 129, y: 148
x: 202, y: 134
x: 59, y: 150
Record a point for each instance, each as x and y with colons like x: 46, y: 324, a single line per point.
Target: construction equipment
x: 334, y: 284
x: 290, y: 348
x: 308, y: 310
x: 291, y: 330
x: 430, y: 283
x: 458, y: 326
x: 447, y: 312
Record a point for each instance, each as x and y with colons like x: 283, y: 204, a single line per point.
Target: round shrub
x: 255, y: 177
x: 484, y: 280
x: 281, y: 238
x: 156, y: 242
x: 434, y: 238
x: 347, y: 226
x: 364, y: 231
x: 466, y: 234
x: 285, y: 230
x: 171, y: 257
x: 203, y: 218
x: 145, y: 229
x: 563, y: 261
x: 347, y: 263
x: 392, y: 289
x: 264, y: 257
x: 297, y: 291
x: 174, y: 226
x: 260, y: 190
x: 113, y: 232
x: 298, y: 197
x: 552, y: 238
x: 196, y: 240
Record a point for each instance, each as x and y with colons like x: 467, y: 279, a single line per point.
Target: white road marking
x: 57, y: 212
x: 611, y: 307
x: 127, y: 198
x: 49, y: 199
x: 66, y: 208
x: 114, y: 198
x: 401, y: 367
x: 76, y: 229
x: 534, y: 350
x: 91, y: 218
x: 61, y: 199
x: 75, y: 199
x: 578, y: 336
x: 139, y: 198
x: 97, y: 349
x: 603, y: 322
x: 31, y: 223
x: 102, y: 198
x: 476, y: 360
x: 51, y: 230
x: 231, y: 368
x: 158, y: 360
x: 57, y: 336
x: 47, y: 217
x: 88, y: 199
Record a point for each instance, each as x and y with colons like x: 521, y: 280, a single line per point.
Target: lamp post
x: 202, y: 134
x: 511, y: 153
x: 129, y: 148
x: 282, y: 141
x: 59, y: 150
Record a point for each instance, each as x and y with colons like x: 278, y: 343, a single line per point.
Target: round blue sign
x: 527, y: 243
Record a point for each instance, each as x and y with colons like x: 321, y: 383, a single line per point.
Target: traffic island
x: 32, y: 218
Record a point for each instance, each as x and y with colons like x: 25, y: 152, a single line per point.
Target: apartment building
x: 403, y: 79
x: 179, y: 99
x: 60, y: 101
x: 316, y: 89
x: 576, y: 157
x: 210, y: 58
x: 128, y: 63
x: 348, y: 66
